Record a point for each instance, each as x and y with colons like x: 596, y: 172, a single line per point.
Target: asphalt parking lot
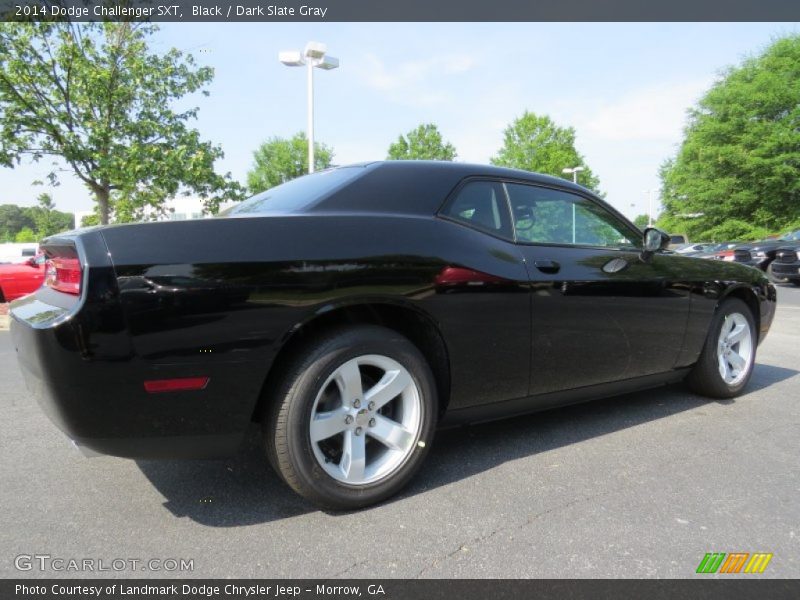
x: 641, y: 485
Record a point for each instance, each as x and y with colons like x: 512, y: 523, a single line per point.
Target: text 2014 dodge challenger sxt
x: 352, y: 310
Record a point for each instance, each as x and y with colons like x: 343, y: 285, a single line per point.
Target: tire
x: 706, y: 378
x: 321, y: 415
x: 796, y: 282
x: 775, y: 278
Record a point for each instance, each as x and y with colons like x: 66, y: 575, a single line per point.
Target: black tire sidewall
x: 320, y: 362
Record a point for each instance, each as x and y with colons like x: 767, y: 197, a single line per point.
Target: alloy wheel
x: 366, y: 420
x: 734, y: 348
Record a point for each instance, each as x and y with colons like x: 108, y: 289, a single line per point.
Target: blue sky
x: 624, y: 87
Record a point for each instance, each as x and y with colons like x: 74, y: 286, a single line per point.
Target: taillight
x: 63, y: 274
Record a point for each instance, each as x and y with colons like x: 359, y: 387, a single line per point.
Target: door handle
x: 546, y: 265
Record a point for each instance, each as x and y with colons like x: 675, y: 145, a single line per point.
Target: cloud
x: 656, y: 112
x: 413, y: 82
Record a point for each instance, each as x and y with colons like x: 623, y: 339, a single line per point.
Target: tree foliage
x: 423, y: 143
x: 735, y: 230
x: 536, y: 143
x: 95, y: 96
x: 26, y: 234
x: 740, y: 157
x: 36, y: 222
x: 278, y: 160
x: 49, y: 220
x: 641, y: 221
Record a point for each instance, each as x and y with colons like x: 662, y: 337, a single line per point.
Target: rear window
x: 297, y: 194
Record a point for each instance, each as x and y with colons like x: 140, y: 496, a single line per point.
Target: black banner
x: 401, y: 10
x: 734, y: 588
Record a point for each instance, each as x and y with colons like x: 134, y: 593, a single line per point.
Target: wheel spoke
x: 391, y: 434
x: 327, y: 424
x: 388, y: 388
x: 736, y: 361
x: 728, y: 326
x: 738, y: 333
x: 724, y: 369
x: 354, y: 457
x: 348, y: 378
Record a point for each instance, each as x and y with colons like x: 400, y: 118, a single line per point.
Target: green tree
x: 641, y: 221
x: 49, y: 220
x: 740, y: 157
x: 536, y: 143
x: 13, y: 219
x: 423, y: 143
x: 43, y: 216
x: 90, y: 221
x: 95, y: 96
x: 43, y: 220
x: 278, y: 160
x: 26, y: 234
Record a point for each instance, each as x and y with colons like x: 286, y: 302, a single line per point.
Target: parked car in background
x: 676, y: 240
x: 718, y: 251
x: 761, y: 254
x: 20, y: 279
x: 787, y: 263
x: 690, y: 249
x: 12, y: 252
x: 364, y: 306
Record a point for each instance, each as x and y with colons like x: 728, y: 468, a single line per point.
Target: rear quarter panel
x: 249, y: 283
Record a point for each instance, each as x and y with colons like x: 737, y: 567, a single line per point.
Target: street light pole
x: 310, y: 127
x: 312, y: 57
x: 574, y: 171
x: 649, y: 206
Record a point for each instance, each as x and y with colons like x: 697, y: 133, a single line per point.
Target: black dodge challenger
x: 354, y: 310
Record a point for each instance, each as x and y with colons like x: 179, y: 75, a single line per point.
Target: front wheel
x: 726, y: 362
x: 353, y: 417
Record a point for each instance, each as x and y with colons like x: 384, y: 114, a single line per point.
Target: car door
x: 601, y: 310
x: 482, y: 299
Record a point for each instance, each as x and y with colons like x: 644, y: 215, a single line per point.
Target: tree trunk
x: 102, y: 196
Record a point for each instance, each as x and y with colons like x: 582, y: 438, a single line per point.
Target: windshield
x: 297, y: 194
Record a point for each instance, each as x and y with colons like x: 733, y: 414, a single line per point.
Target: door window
x: 547, y: 216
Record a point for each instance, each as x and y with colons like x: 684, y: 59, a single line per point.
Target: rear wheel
x: 353, y: 418
x: 796, y: 282
x: 726, y: 362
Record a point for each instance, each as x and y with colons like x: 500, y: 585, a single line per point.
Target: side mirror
x: 654, y: 240
x: 31, y: 262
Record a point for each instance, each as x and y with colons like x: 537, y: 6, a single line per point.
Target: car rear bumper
x: 78, y: 360
x: 101, y: 403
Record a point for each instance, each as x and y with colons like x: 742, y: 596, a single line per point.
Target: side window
x: 481, y: 204
x: 546, y: 216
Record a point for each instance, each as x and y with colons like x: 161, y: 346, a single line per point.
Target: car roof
x: 419, y: 186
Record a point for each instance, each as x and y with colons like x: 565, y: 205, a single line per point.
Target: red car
x: 20, y: 279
